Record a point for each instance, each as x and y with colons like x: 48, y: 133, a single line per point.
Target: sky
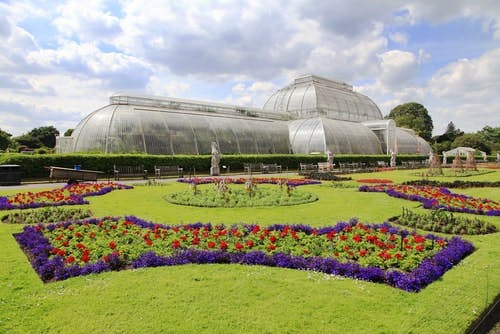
x: 61, y: 60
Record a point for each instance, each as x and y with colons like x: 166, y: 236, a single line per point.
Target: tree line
x: 415, y: 116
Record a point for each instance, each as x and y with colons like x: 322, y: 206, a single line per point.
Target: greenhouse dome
x: 311, y: 115
x: 313, y: 96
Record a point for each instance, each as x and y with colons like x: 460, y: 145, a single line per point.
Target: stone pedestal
x: 214, y: 171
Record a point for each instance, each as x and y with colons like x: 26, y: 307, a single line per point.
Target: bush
x: 33, y: 166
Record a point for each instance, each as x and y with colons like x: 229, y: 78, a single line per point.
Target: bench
x: 129, y: 171
x: 168, y: 171
x: 274, y: 168
x: 252, y: 167
x: 72, y: 175
x: 305, y: 168
x: 325, y: 166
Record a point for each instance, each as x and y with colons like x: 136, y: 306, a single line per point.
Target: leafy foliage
x: 473, y: 140
x: 444, y: 222
x: 45, y: 215
x: 413, y: 116
x: 5, y: 140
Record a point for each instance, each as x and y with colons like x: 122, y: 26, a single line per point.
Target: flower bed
x: 377, y: 253
x: 237, y: 196
x: 444, y: 222
x: 383, y: 181
x: 71, y: 194
x: 256, y: 180
x: 438, y: 198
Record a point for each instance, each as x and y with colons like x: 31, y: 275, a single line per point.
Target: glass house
x: 311, y: 115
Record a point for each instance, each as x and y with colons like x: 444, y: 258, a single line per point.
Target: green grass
x: 248, y: 299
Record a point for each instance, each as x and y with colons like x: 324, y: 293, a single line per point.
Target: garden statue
x: 498, y: 157
x: 485, y: 156
x: 393, y: 159
x: 214, y: 169
x: 444, y: 158
x: 329, y: 158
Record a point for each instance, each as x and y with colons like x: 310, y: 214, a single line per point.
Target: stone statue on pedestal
x: 214, y: 168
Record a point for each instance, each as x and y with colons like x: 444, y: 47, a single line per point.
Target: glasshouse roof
x: 313, y: 96
x: 313, y: 114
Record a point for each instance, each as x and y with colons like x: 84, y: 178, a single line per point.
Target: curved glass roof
x: 409, y: 143
x: 313, y: 96
x: 127, y: 128
x: 321, y: 134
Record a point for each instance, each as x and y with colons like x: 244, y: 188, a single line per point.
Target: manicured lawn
x: 248, y: 299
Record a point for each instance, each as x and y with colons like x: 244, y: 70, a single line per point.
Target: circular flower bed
x: 239, y: 196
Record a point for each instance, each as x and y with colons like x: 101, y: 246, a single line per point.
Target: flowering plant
x: 254, y: 180
x: 377, y: 253
x: 438, y: 198
x: 71, y: 194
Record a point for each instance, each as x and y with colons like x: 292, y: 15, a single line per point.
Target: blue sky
x: 61, y: 60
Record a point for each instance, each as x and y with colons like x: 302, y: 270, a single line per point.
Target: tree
x: 28, y: 141
x: 68, y: 132
x: 413, y: 116
x: 491, y: 136
x: 473, y: 140
x: 46, y: 135
x: 5, y: 140
x: 443, y: 142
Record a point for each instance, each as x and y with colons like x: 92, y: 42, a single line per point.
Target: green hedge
x: 33, y: 166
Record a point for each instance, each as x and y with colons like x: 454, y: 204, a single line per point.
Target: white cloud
x: 399, y: 37
x: 88, y: 23
x: 398, y: 68
x: 469, y: 79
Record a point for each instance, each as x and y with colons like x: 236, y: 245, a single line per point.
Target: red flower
x: 343, y: 237
x: 176, y: 244
x: 239, y: 246
x: 148, y: 242
x: 211, y: 244
x: 69, y: 259
x: 249, y: 243
x: 362, y: 252
x: 223, y: 245
x: 419, y: 247
x: 112, y: 244
x: 272, y: 238
x: 92, y: 234
x: 85, y: 258
x: 357, y: 238
x: 271, y: 247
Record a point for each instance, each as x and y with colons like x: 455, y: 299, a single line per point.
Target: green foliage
x: 237, y: 196
x: 444, y: 222
x: 413, y: 116
x: 5, y: 140
x: 68, y: 132
x: 28, y: 141
x: 473, y: 140
x: 45, y: 215
x: 32, y: 166
x: 46, y: 135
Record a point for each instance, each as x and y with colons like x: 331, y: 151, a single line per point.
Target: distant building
x: 312, y: 114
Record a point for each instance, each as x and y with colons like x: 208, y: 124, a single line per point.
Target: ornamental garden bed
x: 438, y: 198
x: 378, y: 253
x: 70, y: 194
x: 230, y: 196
